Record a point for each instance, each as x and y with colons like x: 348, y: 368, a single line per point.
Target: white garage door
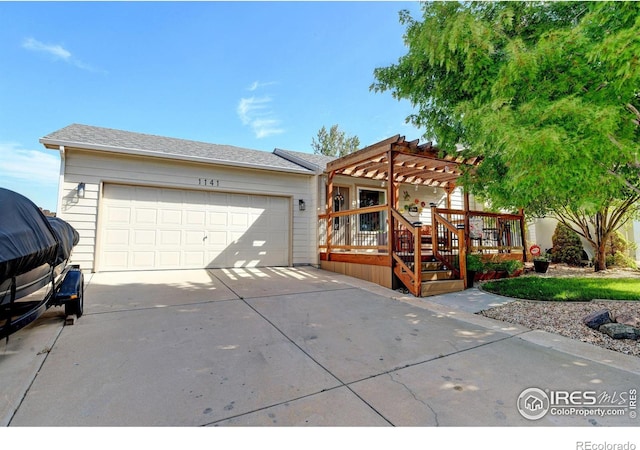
x: 146, y: 228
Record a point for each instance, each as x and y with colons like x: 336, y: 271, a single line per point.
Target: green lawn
x: 566, y: 289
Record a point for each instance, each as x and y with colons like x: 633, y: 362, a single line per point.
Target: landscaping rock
x: 628, y: 319
x: 597, y: 318
x: 620, y: 331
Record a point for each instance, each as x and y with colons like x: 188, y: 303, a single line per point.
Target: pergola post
x: 330, y: 211
x: 392, y: 199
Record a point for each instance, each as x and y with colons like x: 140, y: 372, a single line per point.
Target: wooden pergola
x: 400, y: 245
x: 397, y: 161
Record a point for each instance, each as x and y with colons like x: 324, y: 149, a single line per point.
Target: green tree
x: 546, y: 92
x: 567, y: 247
x: 334, y: 142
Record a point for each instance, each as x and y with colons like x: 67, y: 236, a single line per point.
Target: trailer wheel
x: 76, y: 306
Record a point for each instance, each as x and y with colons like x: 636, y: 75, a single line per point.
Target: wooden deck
x: 427, y: 259
x: 379, y: 244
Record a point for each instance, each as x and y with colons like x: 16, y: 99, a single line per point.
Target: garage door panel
x: 144, y: 237
x: 195, y: 218
x: 115, y: 260
x: 170, y: 217
x: 171, y: 197
x: 169, y: 260
x: 217, y: 219
x: 143, y: 260
x: 146, y: 216
x: 196, y: 198
x: 116, y: 193
x: 119, y: 214
x: 238, y: 201
x: 217, y: 238
x: 154, y: 228
x: 172, y: 238
x: 195, y: 237
x: 117, y: 237
x: 194, y: 259
x: 239, y: 219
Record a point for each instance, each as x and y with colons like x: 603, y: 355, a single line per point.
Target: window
x: 374, y: 221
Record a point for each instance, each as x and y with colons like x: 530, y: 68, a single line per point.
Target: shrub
x: 567, y: 246
x: 616, y: 249
x: 513, y: 266
x: 474, y: 263
x: 620, y: 260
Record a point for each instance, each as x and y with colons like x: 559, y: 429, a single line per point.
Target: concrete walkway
x: 289, y: 347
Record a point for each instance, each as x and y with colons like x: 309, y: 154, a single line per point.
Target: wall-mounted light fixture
x: 80, y: 189
x: 301, y: 205
x: 383, y: 184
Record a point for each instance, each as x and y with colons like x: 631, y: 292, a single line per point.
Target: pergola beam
x: 406, y: 161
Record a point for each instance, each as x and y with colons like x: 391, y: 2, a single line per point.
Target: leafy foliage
x: 334, y: 142
x: 616, y: 251
x: 474, y: 263
x: 567, y: 246
x: 548, y: 93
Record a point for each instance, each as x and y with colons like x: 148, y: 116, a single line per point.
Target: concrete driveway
x: 285, y: 347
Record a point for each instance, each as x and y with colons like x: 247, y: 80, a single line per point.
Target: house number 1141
x: 208, y: 182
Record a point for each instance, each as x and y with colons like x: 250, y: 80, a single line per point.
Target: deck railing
x: 361, y: 230
x: 448, y: 237
x: 453, y: 234
x: 407, y: 252
x: 493, y: 233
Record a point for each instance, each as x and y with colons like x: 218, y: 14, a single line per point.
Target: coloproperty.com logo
x: 535, y: 403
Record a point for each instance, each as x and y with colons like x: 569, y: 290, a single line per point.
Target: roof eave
x: 297, y: 160
x: 54, y: 144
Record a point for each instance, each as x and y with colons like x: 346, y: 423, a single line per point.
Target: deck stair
x: 438, y: 280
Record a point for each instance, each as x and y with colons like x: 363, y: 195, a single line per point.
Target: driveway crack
x: 413, y: 394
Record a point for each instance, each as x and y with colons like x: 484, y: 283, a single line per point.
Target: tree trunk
x: 601, y: 257
x: 601, y: 260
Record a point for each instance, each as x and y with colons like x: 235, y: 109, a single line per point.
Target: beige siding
x: 95, y: 168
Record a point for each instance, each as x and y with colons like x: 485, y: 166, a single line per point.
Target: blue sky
x: 258, y: 75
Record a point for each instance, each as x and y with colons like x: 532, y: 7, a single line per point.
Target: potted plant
x: 474, y: 265
x: 541, y: 263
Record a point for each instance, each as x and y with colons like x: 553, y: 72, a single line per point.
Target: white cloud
x: 248, y: 108
x: 31, y: 166
x: 256, y: 85
x: 57, y: 52
x: 256, y: 112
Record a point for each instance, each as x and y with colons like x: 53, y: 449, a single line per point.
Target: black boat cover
x: 28, y: 238
x: 67, y: 238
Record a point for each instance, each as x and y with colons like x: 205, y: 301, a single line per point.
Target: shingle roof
x: 107, y: 139
x: 311, y: 161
